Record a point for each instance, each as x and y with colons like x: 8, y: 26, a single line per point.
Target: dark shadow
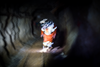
x: 8, y: 16
x: 18, y: 34
x: 60, y: 38
x: 2, y: 63
x: 13, y: 28
x: 5, y: 44
x: 12, y: 42
x: 85, y: 51
x: 32, y: 24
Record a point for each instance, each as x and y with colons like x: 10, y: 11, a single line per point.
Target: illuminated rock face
x: 14, y: 31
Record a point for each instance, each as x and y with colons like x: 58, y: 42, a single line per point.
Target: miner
x: 48, y: 32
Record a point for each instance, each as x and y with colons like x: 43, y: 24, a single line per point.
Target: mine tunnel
x: 78, y: 33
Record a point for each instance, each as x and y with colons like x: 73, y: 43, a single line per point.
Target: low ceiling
x: 45, y: 2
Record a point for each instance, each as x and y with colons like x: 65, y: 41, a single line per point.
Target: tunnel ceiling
x: 44, y: 2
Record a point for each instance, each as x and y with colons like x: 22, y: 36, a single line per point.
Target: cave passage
x: 78, y: 33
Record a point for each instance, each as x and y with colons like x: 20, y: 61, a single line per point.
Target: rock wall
x: 93, y: 16
x: 15, y: 30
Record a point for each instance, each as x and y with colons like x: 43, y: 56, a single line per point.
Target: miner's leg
x: 49, y: 46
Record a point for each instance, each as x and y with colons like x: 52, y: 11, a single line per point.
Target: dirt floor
x: 30, y: 56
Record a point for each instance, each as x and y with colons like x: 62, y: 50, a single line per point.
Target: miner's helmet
x: 46, y: 22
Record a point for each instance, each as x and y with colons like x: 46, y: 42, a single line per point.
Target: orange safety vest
x: 48, y: 37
